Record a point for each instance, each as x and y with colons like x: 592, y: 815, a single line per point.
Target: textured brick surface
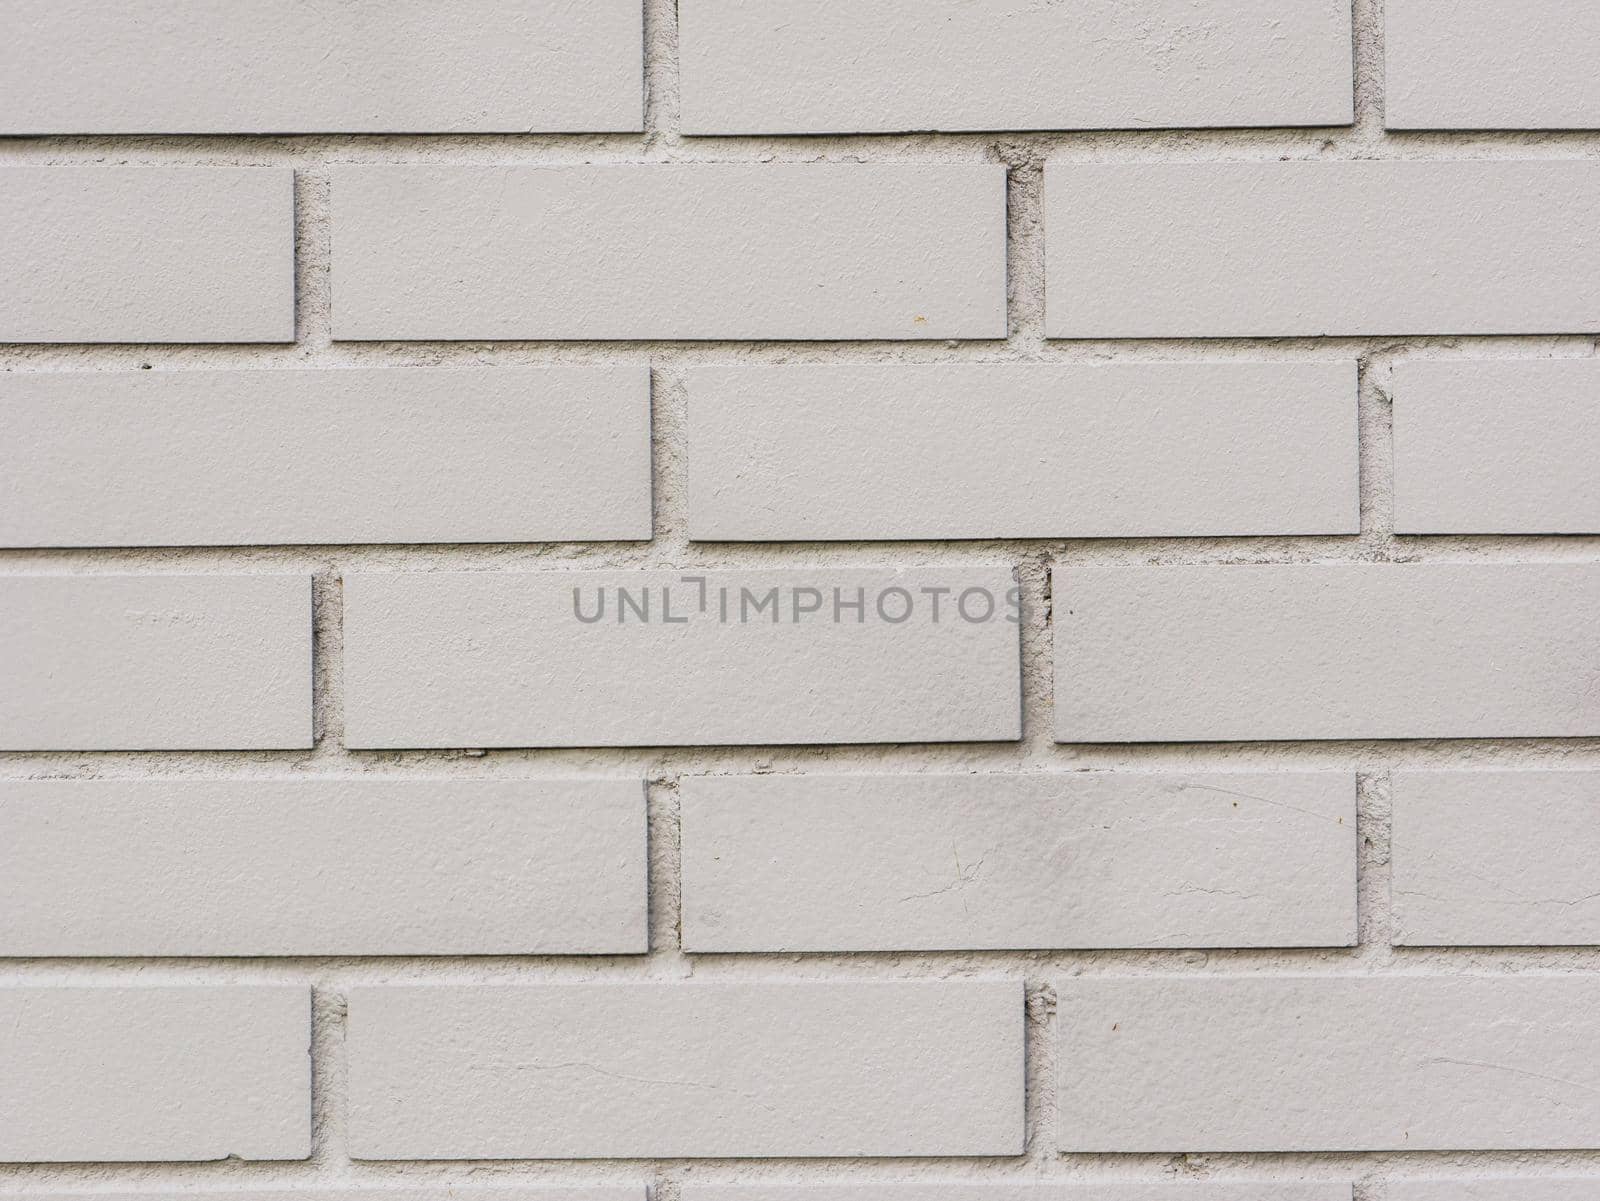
x: 1496, y: 448
x: 140, y: 254
x: 795, y: 251
x: 1485, y: 64
x: 1241, y: 652
x: 837, y: 66
x: 865, y: 863
x: 660, y: 658
x: 154, y: 1073
x: 1217, y: 250
x: 524, y: 1192
x: 250, y: 457
x: 1207, y: 1190
x: 1328, y: 1064
x: 1496, y: 858
x: 1500, y: 1188
x: 769, y: 1069
x: 321, y: 867
x: 970, y: 451
x: 262, y: 66
x: 154, y: 662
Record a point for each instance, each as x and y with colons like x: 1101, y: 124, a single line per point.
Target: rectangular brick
x: 118, y: 1074
x: 762, y: 251
x: 1099, y: 1190
x: 1002, y: 451
x: 1215, y: 250
x: 479, y: 659
x: 1456, y: 1063
x: 155, y: 662
x: 322, y: 867
x: 989, y: 862
x: 198, y: 458
x: 1484, y: 64
x: 1245, y: 652
x: 1496, y: 1188
x: 686, y: 1070
x: 1496, y: 858
x: 839, y: 66
x: 1497, y: 447
x: 147, y: 254
x: 323, y: 66
x: 450, y: 1191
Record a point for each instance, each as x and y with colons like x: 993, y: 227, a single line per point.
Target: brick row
x: 787, y: 453
x: 823, y: 66
x: 786, y: 863
x: 802, y: 1069
x: 806, y: 251
x: 477, y: 659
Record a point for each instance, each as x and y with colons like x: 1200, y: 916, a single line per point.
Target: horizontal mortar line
x: 802, y: 758
x: 1087, y: 1168
x: 44, y: 357
x: 466, y: 1176
x: 820, y: 559
x: 666, y: 967
x: 1176, y: 143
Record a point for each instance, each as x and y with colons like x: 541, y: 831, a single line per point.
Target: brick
x: 440, y: 1192
x: 998, y: 451
x: 1116, y: 1190
x: 118, y: 1074
x: 1496, y: 858
x: 686, y: 1070
x: 507, y: 659
x: 762, y: 251
x: 261, y: 66
x: 1496, y: 447
x: 1495, y: 1188
x: 1305, y: 1063
x: 322, y: 867
x: 1480, y: 64
x: 837, y: 66
x: 184, y: 458
x: 1151, y: 250
x: 991, y: 862
x: 1244, y: 652
x: 155, y: 662
x: 147, y: 254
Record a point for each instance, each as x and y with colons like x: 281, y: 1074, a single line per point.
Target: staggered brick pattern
x: 800, y: 600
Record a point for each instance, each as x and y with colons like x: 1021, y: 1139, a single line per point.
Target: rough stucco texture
x: 800, y: 600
